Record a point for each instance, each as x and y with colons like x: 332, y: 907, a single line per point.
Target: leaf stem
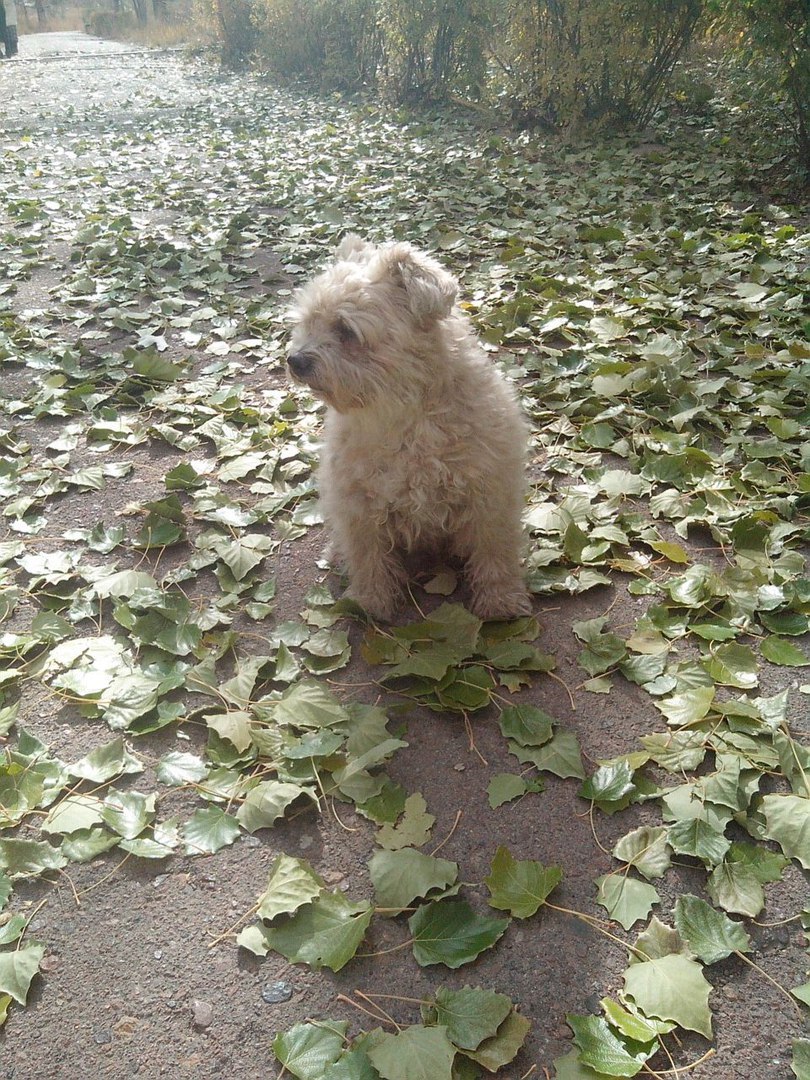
x: 770, y: 979
x: 452, y: 830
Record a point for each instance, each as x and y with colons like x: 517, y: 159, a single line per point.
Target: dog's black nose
x: 301, y: 364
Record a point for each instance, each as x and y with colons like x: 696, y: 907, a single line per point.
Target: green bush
x: 433, y: 47
x: 773, y: 38
x: 333, y: 43
x: 110, y: 24
x: 564, y: 62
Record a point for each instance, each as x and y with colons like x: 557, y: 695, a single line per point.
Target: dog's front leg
x: 493, y: 568
x: 377, y: 578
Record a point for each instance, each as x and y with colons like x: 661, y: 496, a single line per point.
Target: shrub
x: 568, y: 61
x: 333, y: 43
x: 435, y: 46
x: 773, y: 37
x: 110, y: 24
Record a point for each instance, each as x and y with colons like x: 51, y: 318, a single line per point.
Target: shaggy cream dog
x: 424, y: 442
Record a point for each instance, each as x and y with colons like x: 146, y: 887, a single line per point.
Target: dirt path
x: 140, y: 975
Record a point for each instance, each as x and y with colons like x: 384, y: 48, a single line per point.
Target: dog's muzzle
x: 301, y: 364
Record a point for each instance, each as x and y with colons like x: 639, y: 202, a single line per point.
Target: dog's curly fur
x: 424, y: 441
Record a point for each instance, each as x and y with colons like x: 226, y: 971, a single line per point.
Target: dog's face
x: 361, y: 327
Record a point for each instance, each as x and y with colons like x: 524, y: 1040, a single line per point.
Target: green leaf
x: 449, y: 932
x: 519, y: 886
x: 569, y: 1067
x: 505, y: 787
x: 698, y: 837
x: 733, y: 664
x: 657, y: 940
x: 560, y: 756
x: 208, y: 831
x: 325, y: 933
x: 787, y: 820
x: 150, y: 365
x: 601, y: 1049
x: 162, y: 843
x: 292, y: 882
x: 124, y: 583
x: 399, y: 877
x: 626, y: 899
x: 177, y: 769
x: 671, y: 988
x: 466, y: 689
x: 24, y: 858
x: 801, y: 1059
x: 106, y: 762
x: 73, y: 813
x: 735, y: 887
x: 412, y: 830
x: 764, y: 864
x: 353, y: 1065
x: 632, y: 1024
x: 307, y: 1049
x: 415, y: 1053
x: 604, y: 650
x: 471, y: 1015
x: 780, y: 651
x: 525, y: 724
x: 267, y: 802
x: 503, y: 1047
x: 18, y: 968
x: 87, y: 844
x: 128, y: 812
x: 307, y: 704
x: 609, y: 784
x: 688, y: 707
x: 710, y: 934
x: 646, y: 849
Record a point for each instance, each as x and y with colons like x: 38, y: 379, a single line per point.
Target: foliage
x: 435, y: 46
x: 334, y: 43
x: 658, y: 329
x: 565, y: 62
x: 773, y: 37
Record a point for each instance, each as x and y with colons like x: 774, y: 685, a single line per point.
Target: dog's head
x: 362, y: 328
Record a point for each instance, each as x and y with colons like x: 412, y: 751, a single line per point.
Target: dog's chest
x: 399, y: 477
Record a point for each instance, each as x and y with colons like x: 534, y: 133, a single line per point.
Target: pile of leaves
x: 153, y: 462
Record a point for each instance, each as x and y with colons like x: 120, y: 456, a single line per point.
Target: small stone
x: 158, y: 954
x: 102, y: 1036
x: 305, y: 842
x: 126, y: 1025
x: 275, y: 992
x: 203, y: 1014
x: 459, y: 768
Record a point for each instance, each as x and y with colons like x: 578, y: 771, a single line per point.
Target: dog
x: 424, y: 446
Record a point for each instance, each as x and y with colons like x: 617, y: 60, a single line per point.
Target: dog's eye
x: 346, y: 334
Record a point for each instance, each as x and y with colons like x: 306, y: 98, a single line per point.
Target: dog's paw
x: 501, y: 603
x: 379, y: 605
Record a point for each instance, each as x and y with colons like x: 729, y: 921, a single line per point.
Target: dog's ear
x: 353, y: 248
x: 431, y: 292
